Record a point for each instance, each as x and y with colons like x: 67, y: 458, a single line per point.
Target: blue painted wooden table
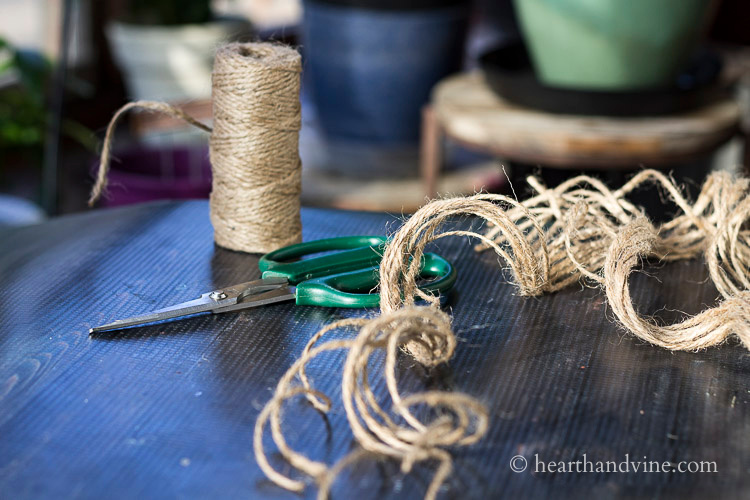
x: 167, y: 411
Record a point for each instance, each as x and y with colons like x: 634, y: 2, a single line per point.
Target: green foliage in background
x: 23, y: 78
x: 169, y: 12
x: 24, y: 116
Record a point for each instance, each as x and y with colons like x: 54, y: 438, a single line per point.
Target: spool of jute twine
x: 255, y: 199
x: 255, y: 195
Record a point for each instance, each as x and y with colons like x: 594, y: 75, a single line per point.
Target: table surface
x: 167, y: 411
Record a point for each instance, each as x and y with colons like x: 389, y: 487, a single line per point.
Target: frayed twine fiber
x: 580, y: 230
x: 255, y: 195
x: 462, y: 419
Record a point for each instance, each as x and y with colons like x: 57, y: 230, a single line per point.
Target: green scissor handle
x: 359, y: 252
x: 346, y: 278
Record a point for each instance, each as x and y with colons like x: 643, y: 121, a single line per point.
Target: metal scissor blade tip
x: 104, y: 328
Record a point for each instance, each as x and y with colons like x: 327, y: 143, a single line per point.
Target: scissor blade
x: 261, y: 299
x: 262, y: 285
x: 202, y: 304
x: 228, y: 297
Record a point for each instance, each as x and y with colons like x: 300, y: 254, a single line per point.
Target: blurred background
x: 402, y: 99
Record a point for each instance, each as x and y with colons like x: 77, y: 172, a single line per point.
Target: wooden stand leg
x: 431, y: 151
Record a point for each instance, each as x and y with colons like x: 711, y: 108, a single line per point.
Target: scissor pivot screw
x: 217, y: 295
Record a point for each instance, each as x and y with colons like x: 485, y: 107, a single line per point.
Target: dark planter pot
x: 153, y: 174
x: 372, y: 64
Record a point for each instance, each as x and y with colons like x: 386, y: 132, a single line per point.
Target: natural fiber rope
x: 462, y: 420
x: 257, y: 173
x: 255, y: 196
x: 100, y: 186
x: 580, y: 230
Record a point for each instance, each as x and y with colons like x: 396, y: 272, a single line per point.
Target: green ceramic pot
x: 611, y: 44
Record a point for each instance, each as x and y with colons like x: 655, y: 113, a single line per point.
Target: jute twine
x: 255, y: 196
x: 578, y: 231
x: 461, y: 420
x: 255, y: 199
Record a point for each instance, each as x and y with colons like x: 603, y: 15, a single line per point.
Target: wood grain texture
x: 471, y: 113
x: 166, y: 411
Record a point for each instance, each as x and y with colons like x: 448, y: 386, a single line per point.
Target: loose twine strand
x: 100, y: 186
x: 578, y: 231
x: 257, y: 179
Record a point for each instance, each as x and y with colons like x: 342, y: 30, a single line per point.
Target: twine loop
x: 579, y: 231
x: 392, y: 428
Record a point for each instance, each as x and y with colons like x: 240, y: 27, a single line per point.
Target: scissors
x: 345, y: 276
